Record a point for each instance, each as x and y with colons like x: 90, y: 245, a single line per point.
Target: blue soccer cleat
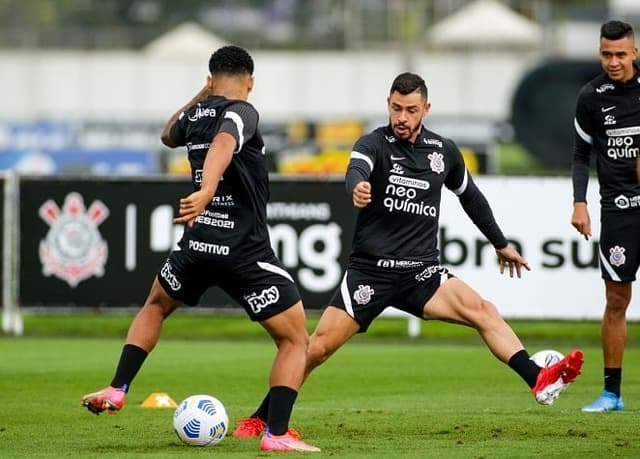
x: 608, y: 401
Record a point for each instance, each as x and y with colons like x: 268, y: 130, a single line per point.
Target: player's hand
x: 510, y: 258
x: 192, y: 206
x: 362, y: 194
x: 580, y: 219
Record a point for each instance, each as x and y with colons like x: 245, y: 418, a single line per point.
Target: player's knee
x: 481, y: 311
x: 293, y: 341
x: 157, y: 309
x: 317, y: 352
x: 617, y: 303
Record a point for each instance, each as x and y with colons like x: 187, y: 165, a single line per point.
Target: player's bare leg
x: 146, y: 327
x: 455, y: 301
x: 143, y: 335
x: 289, y: 332
x: 334, y: 328
x: 614, y: 339
x: 614, y: 322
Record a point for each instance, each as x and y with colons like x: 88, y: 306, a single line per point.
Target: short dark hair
x: 231, y: 60
x: 407, y: 82
x: 615, y: 30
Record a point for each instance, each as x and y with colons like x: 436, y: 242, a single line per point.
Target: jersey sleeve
x: 473, y: 201
x: 456, y: 179
x: 241, y: 121
x: 582, y: 145
x: 178, y: 131
x: 361, y: 162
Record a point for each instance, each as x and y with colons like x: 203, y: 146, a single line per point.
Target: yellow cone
x: 159, y: 400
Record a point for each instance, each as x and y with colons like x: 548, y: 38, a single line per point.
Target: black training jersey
x: 607, y: 122
x: 233, y: 226
x: 401, y: 221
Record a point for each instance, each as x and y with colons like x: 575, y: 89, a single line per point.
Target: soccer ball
x: 546, y: 358
x: 200, y: 420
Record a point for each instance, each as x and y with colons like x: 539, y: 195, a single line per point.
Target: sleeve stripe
x: 465, y: 180
x: 366, y: 159
x: 583, y: 135
x: 237, y: 120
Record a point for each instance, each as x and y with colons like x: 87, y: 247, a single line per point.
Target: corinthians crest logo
x: 73, y: 249
x: 436, y: 162
x: 616, y: 255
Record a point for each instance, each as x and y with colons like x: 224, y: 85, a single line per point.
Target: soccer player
x: 607, y: 122
x: 225, y: 244
x: 395, y: 178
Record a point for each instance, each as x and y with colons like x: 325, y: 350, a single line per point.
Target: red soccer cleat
x: 554, y: 379
x: 249, y: 428
x: 253, y: 427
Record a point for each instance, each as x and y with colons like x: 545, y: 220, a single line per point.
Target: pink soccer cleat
x: 110, y: 399
x: 554, y: 379
x: 286, y: 442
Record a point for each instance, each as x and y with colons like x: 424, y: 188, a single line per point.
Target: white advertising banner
x: 535, y: 215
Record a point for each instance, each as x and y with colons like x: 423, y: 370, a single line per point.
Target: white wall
x: 320, y: 85
x: 532, y: 211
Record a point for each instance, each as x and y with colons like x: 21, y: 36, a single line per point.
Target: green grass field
x: 381, y: 396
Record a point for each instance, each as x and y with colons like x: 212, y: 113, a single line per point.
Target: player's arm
x: 239, y: 124
x: 583, y: 142
x: 172, y: 135
x: 361, y: 163
x: 218, y: 158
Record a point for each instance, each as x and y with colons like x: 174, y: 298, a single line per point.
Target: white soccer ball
x: 201, y: 420
x: 546, y: 357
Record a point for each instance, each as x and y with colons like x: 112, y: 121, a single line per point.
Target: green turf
x: 183, y: 325
x: 376, y: 398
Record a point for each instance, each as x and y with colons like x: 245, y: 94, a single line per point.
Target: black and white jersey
x: 607, y: 122
x: 401, y: 221
x: 234, y: 223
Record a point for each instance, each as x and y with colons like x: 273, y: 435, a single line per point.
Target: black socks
x: 263, y: 410
x: 131, y: 360
x: 526, y: 368
x: 612, y: 380
x: 281, y: 400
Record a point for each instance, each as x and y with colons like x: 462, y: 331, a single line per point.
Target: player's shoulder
x: 376, y: 138
x: 595, y: 87
x: 240, y: 106
x: 379, y: 134
x: 433, y: 139
x: 241, y: 103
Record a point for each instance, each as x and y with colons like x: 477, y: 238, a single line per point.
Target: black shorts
x: 263, y: 288
x: 366, y: 291
x: 619, y: 246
